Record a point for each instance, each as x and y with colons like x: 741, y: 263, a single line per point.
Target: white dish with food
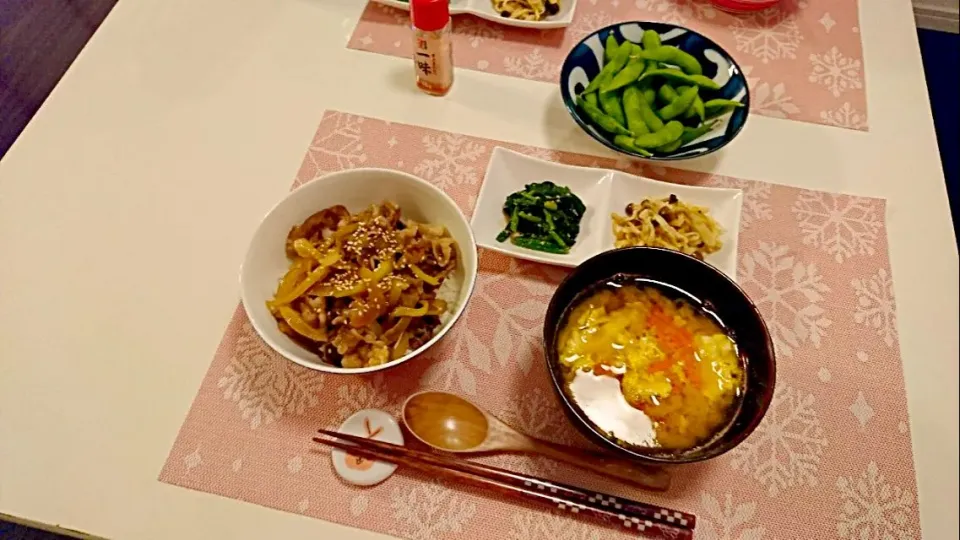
x: 722, y: 205
x: 509, y: 172
x: 420, y: 226
x: 485, y: 9
x: 701, y: 221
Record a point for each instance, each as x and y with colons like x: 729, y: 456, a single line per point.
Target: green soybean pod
x: 611, y: 47
x: 724, y: 103
x: 680, y: 105
x: 630, y: 73
x: 611, y: 68
x: 717, y: 107
x: 610, y: 104
x: 668, y: 54
x: 691, y: 134
x: 669, y: 147
x: 689, y: 114
x: 650, y: 95
x: 626, y: 143
x: 602, y: 121
x: 650, y: 40
x: 632, y: 96
x: 681, y: 78
x: 591, y: 98
x: 651, y: 65
x: 666, y: 93
x: 648, y: 115
x: 696, y: 111
x: 668, y: 134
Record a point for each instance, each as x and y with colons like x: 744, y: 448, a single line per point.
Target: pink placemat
x: 803, y: 59
x: 832, y: 458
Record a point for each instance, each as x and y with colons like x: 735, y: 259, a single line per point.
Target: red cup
x: 744, y: 6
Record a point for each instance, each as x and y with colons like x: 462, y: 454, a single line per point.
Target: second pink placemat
x: 803, y: 59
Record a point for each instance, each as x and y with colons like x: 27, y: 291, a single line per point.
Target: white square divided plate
x: 484, y: 10
x: 602, y: 192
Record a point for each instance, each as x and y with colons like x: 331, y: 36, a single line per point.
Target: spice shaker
x: 432, y: 45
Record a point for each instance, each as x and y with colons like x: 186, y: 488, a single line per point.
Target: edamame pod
x: 631, y: 109
x: 627, y: 143
x: 692, y: 134
x: 670, y: 133
x: 602, y: 121
x: 680, y: 105
x: 611, y: 68
x: 670, y: 147
x: 666, y: 93
x: 717, y: 107
x: 591, y: 98
x: 650, y: 95
x: 630, y: 73
x: 611, y: 47
x: 696, y: 110
x: 723, y: 103
x: 650, y: 40
x: 679, y: 77
x: 610, y: 104
x: 650, y: 117
x: 668, y: 54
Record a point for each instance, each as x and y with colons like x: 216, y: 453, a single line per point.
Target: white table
x: 126, y: 206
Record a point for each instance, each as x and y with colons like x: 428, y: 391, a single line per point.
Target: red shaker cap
x: 430, y: 15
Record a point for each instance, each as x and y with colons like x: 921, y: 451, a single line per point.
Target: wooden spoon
x: 450, y: 423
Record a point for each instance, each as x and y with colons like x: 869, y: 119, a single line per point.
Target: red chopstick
x: 650, y: 520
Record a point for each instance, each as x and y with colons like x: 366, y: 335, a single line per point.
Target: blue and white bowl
x: 586, y: 59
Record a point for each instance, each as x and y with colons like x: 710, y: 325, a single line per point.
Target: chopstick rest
x: 372, y: 424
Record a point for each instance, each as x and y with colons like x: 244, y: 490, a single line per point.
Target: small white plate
x: 602, y: 192
x: 725, y: 206
x: 374, y: 424
x: 484, y: 10
x: 508, y: 172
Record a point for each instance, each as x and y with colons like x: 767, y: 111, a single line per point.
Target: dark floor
x: 40, y: 38
x: 9, y: 531
x: 941, y: 61
x: 38, y: 41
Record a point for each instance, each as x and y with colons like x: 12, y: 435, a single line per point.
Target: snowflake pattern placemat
x: 832, y: 458
x: 803, y: 60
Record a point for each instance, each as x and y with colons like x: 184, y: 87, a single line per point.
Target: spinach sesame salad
x: 543, y: 217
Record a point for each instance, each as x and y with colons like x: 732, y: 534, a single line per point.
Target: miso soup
x: 650, y: 365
